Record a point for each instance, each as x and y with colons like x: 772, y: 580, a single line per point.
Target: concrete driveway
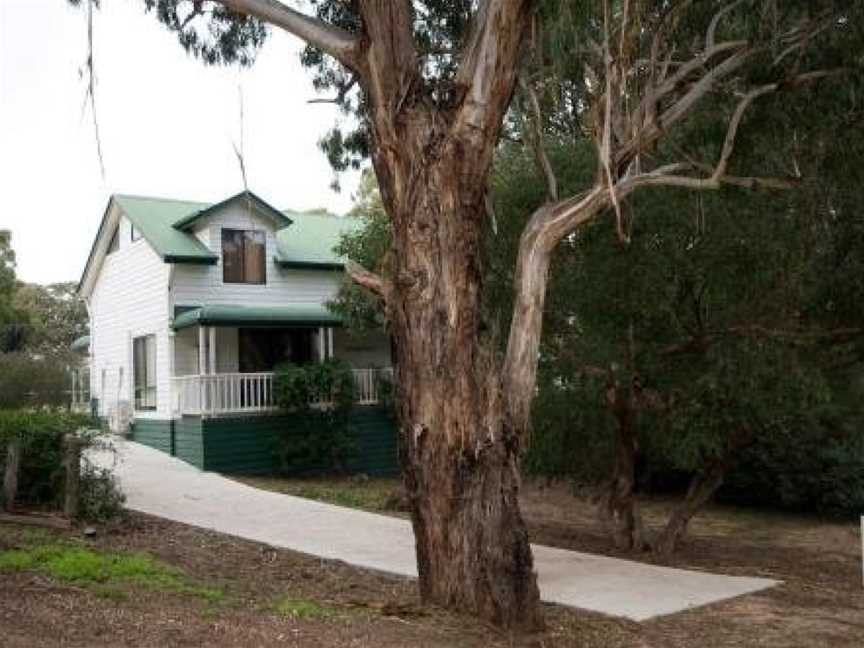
x: 160, y: 485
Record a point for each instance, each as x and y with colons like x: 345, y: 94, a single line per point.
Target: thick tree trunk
x: 10, y: 474
x: 459, y: 452
x: 619, y: 508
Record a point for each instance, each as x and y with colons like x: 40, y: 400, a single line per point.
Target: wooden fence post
x: 10, y: 475
x: 72, y: 464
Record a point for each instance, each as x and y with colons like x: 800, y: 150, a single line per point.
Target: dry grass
x: 271, y: 597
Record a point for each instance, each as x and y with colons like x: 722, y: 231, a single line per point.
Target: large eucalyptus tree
x: 432, y: 81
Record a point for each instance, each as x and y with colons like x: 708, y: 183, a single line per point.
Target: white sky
x: 167, y: 127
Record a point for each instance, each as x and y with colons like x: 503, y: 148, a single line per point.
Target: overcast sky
x: 167, y: 127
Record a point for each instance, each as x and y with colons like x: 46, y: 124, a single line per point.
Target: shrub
x: 41, y: 476
x: 27, y: 382
x: 319, y: 438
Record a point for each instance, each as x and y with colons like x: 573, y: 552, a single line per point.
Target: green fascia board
x: 154, y: 219
x: 308, y: 265
x: 278, y: 217
x: 81, y: 344
x: 257, y: 316
x: 198, y: 260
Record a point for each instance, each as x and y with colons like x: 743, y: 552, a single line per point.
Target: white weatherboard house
x: 191, y: 307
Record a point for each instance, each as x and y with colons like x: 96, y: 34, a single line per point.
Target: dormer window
x: 135, y: 233
x: 244, y: 254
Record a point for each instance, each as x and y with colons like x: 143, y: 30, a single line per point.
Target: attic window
x: 135, y: 233
x: 244, y: 256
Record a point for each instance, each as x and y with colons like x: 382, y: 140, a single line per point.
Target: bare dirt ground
x: 273, y: 597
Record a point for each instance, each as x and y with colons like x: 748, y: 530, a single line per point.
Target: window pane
x: 144, y: 371
x: 232, y: 261
x: 255, y: 267
x: 244, y: 256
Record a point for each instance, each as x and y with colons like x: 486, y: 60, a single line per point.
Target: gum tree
x: 432, y: 81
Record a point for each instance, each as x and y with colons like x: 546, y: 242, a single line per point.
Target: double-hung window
x: 144, y: 371
x: 244, y: 256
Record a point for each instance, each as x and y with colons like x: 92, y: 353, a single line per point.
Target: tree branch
x: 489, y: 63
x: 535, y: 137
x: 336, y: 42
x: 367, y: 279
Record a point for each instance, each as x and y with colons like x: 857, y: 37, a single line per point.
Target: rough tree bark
x: 620, y: 511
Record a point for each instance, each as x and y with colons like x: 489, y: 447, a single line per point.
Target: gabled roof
x: 304, y: 239
x: 156, y: 218
x: 279, y: 219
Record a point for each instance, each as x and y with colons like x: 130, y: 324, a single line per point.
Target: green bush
x: 27, y: 382
x: 319, y: 439
x: 816, y: 471
x: 41, y: 477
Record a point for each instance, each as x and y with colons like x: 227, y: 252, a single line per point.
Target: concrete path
x: 161, y: 485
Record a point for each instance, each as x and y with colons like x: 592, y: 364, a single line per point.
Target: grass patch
x: 302, y: 609
x: 103, y: 572
x: 366, y: 494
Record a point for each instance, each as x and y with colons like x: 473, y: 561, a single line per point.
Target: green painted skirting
x: 247, y: 445
x: 154, y: 433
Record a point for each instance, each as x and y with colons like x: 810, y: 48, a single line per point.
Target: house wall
x: 195, y: 285
x: 129, y: 299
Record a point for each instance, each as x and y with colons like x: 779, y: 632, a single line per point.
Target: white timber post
x: 202, y: 366
x: 212, y: 349
x: 322, y: 352
x: 173, y: 398
x: 202, y: 351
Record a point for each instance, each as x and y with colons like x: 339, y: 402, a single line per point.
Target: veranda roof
x: 257, y: 316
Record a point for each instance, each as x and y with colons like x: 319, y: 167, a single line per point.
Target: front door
x: 264, y: 349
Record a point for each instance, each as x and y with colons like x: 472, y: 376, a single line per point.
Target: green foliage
x: 572, y: 433
x: 26, y: 381
x: 88, y: 568
x: 53, y: 317
x: 319, y: 398
x: 41, y: 476
x: 368, y: 246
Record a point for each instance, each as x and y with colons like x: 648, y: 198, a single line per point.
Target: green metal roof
x: 257, y: 316
x: 310, y: 240
x: 81, y: 344
x: 280, y: 219
x: 155, y: 219
x: 303, y: 239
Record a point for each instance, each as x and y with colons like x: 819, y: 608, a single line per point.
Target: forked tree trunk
x: 702, y: 488
x: 459, y: 453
